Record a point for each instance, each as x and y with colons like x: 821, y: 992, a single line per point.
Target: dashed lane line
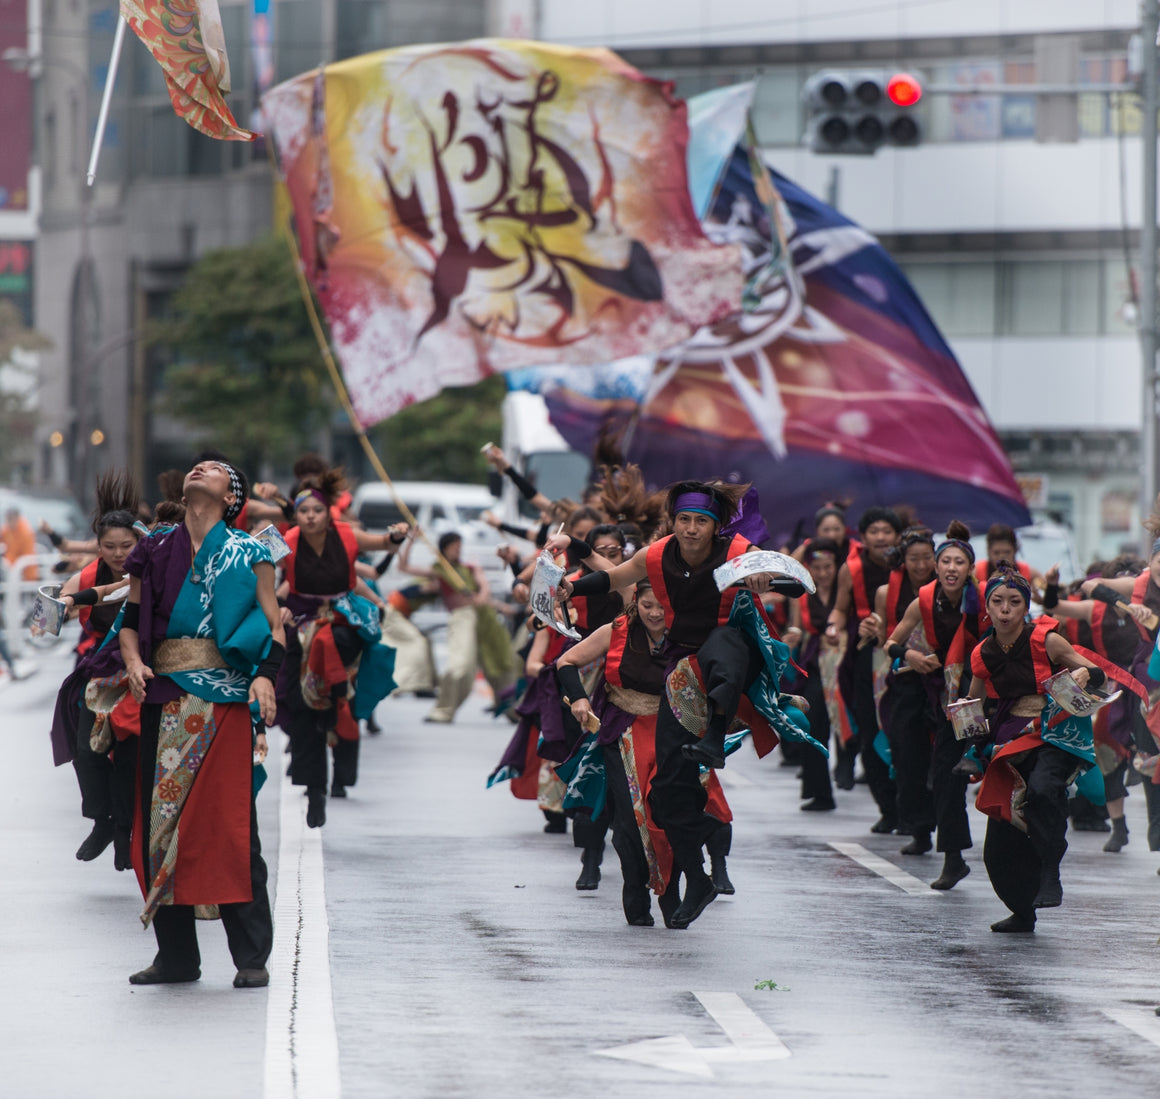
x: 908, y: 883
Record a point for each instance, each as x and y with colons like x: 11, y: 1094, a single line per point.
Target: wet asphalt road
x: 463, y: 962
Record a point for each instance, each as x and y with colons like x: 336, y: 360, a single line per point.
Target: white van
x: 438, y: 507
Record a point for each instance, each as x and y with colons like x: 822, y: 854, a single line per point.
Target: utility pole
x: 1151, y: 104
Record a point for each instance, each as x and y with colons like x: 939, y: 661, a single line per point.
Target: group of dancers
x: 222, y: 610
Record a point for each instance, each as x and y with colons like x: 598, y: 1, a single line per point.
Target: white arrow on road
x: 752, y: 1041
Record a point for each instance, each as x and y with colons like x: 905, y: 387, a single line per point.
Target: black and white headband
x: 235, y: 509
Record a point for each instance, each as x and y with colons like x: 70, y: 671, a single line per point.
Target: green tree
x: 17, y: 419
x: 246, y: 374
x: 440, y: 439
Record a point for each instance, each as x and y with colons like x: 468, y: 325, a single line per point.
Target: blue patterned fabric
x: 219, y: 601
x: 584, y: 778
x: 789, y: 723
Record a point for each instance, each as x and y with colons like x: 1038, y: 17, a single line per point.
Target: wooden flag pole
x: 284, y: 229
x: 106, y: 99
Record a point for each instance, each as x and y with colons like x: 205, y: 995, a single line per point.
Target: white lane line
x: 884, y: 869
x: 301, y: 1039
x: 1140, y: 1020
x: 752, y: 1039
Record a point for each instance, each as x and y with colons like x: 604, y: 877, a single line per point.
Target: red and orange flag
x: 186, y: 38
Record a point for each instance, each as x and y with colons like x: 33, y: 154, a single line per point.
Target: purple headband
x: 1009, y: 578
x: 306, y: 493
x: 700, y: 502
x: 966, y: 547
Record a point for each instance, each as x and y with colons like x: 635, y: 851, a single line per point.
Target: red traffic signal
x: 903, y: 90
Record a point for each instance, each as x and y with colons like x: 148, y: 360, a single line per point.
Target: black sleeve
x: 384, y: 564
x: 511, y: 528
x: 579, y: 549
x: 1107, y: 595
x: 542, y: 534
x: 526, y: 489
x: 1097, y: 677
x: 131, y: 619
x: 595, y: 583
x: 571, y: 688
x: 1050, y: 597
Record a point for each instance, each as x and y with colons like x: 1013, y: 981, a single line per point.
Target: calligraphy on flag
x: 473, y: 208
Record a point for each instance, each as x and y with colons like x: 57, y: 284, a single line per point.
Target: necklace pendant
x: 686, y: 574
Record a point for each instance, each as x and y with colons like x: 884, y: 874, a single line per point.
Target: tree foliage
x: 246, y: 370
x: 440, y: 439
x: 248, y: 377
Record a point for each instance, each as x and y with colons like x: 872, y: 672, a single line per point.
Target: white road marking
x: 1140, y: 1020
x: 751, y: 1041
x: 884, y: 869
x: 301, y: 1040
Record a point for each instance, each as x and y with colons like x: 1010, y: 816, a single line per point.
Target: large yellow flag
x: 472, y: 208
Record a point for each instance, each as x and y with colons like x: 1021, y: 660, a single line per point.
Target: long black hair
x: 118, y: 498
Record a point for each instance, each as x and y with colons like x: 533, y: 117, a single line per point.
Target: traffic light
x: 856, y: 112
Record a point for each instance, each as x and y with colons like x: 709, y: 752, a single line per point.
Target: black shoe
x: 252, y: 978
x: 818, y: 805
x: 337, y: 791
x: 670, y: 900
x: 316, y: 807
x: 699, y: 894
x: 557, y: 823
x: 844, y: 773
x: 1050, y: 893
x: 122, y: 851
x: 706, y: 755
x: 919, y: 845
x: 1015, y: 923
x: 642, y: 921
x: 590, y: 870
x: 884, y: 826
x: 97, y: 840
x: 373, y: 727
x: 953, y: 872
x: 719, y: 875
x: 151, y: 975
x: 1090, y: 824
x: 1119, y: 837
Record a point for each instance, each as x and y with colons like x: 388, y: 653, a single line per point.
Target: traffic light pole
x: 1151, y: 105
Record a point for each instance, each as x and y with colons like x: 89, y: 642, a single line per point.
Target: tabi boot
x: 844, y: 771
x: 1050, y: 893
x: 709, y: 751
x: 670, y: 900
x: 1118, y: 840
x: 557, y: 822
x: 252, y: 978
x: 154, y: 975
x: 316, y: 806
x: 1015, y: 923
x: 97, y: 840
x: 590, y: 868
x: 884, y: 825
x: 122, y: 849
x: 818, y: 805
x: 919, y: 844
x: 699, y: 894
x: 718, y: 846
x: 337, y: 791
x: 636, y: 903
x: 953, y: 871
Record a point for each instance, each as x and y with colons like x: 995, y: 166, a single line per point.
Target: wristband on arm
x: 594, y: 583
x: 89, y: 597
x: 579, y: 549
x: 1097, y: 677
x: 1107, y: 595
x: 1051, y: 597
x: 896, y: 651
x: 269, y: 667
x: 526, y: 489
x: 56, y: 540
x: 568, y: 676
x: 384, y: 564
x: 131, y: 617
